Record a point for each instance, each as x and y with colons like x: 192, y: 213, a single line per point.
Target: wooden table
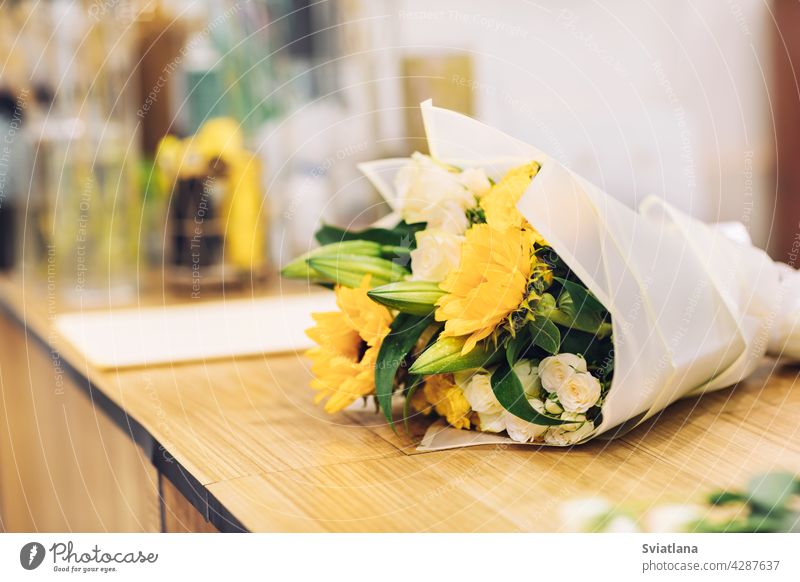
x: 239, y: 445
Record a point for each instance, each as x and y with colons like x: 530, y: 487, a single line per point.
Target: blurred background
x: 150, y: 144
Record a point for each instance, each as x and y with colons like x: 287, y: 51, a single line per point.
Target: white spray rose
x: 523, y: 431
x: 529, y: 377
x: 492, y: 422
x: 477, y: 390
x: 475, y: 179
x: 428, y: 192
x: 579, y: 392
x: 578, y: 419
x: 672, y: 518
x: 558, y: 436
x: 437, y: 253
x: 555, y: 369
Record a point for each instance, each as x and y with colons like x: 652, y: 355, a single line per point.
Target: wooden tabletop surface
x: 248, y: 431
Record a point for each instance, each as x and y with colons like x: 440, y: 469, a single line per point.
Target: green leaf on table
x: 509, y: 392
x: 545, y: 334
x: 770, y: 493
x: 726, y: 497
x: 404, y: 332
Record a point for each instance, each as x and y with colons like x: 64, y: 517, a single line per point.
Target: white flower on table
x: 584, y: 515
x: 554, y: 370
x: 437, y: 253
x: 429, y: 192
x: 672, y: 518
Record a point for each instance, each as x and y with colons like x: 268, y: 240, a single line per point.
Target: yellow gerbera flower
x: 348, y: 343
x: 489, y: 283
x: 500, y: 202
x: 447, y: 399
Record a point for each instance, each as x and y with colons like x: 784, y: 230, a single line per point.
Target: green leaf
x: 578, y: 309
x: 509, y: 392
x: 444, y: 356
x: 581, y: 296
x: 401, y: 235
x: 726, y: 497
x: 771, y: 492
x: 545, y: 334
x: 415, y: 382
x: 349, y: 270
x: 414, y: 297
x: 403, y: 335
x: 518, y: 345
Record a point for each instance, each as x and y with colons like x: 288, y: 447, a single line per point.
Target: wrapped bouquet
x: 509, y: 296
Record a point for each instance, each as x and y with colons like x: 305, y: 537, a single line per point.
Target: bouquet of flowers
x: 508, y: 295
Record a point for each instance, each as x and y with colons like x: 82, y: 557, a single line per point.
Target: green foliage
x: 401, y: 235
x: 404, y: 333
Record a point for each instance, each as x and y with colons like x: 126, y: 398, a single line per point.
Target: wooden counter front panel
x: 64, y: 465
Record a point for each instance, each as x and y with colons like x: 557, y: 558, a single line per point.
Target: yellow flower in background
x: 348, y: 343
x: 500, y: 203
x: 239, y: 176
x: 489, y: 283
x: 447, y: 399
x: 219, y: 138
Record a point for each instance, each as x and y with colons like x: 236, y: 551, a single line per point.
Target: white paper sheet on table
x: 133, y: 337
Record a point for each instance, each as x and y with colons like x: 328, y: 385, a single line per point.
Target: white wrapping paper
x: 694, y: 307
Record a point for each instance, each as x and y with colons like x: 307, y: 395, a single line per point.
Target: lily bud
x: 300, y: 269
x: 445, y: 356
x: 349, y: 270
x: 414, y: 297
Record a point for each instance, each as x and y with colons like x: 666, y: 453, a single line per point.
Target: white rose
x: 529, y: 377
x: 475, y: 179
x: 584, y: 515
x: 478, y: 391
x: 578, y: 419
x: 578, y: 392
x: 672, y: 518
x: 553, y: 407
x: 437, y: 253
x: 448, y: 216
x: 428, y: 192
x: 558, y: 436
x: 555, y: 369
x: 523, y: 431
x: 492, y: 422
x: 537, y: 405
